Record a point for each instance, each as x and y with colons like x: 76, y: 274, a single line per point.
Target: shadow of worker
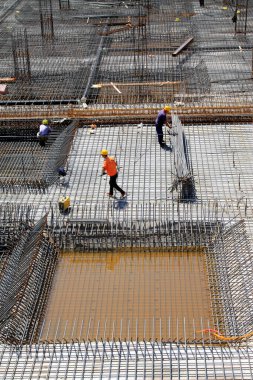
x: 166, y: 147
x: 120, y: 204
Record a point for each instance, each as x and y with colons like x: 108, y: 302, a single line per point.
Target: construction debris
x: 3, y: 89
x: 182, y: 47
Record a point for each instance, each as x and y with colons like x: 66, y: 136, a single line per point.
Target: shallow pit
x: 156, y: 295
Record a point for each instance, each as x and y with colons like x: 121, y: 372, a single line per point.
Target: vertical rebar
x: 21, y: 57
x: 46, y: 21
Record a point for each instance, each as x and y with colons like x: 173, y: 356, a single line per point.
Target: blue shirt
x: 44, y: 130
x: 161, y: 119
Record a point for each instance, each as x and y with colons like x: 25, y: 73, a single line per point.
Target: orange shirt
x: 110, y: 166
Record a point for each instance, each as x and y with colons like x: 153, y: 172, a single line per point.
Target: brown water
x: 128, y: 295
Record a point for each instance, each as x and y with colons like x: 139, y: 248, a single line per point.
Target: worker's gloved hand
x: 101, y: 175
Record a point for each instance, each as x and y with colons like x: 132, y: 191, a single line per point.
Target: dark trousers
x: 43, y: 140
x: 113, y: 185
x: 159, y: 131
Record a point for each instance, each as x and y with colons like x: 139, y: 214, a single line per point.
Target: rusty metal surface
x: 204, y: 113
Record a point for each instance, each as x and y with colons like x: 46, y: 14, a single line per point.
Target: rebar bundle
x: 182, y: 163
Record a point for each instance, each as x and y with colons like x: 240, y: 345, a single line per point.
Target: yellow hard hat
x: 104, y: 152
x: 167, y: 108
x: 45, y: 121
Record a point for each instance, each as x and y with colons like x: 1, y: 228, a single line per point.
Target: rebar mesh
x: 230, y: 263
x: 134, y: 44
x: 128, y: 359
x: 27, y: 165
x: 112, y: 63
x: 26, y: 275
x: 220, y: 246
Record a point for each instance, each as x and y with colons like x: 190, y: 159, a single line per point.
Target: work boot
x: 123, y: 195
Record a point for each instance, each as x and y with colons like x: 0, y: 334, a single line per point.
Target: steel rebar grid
x: 145, y: 232
x: 127, y: 359
x: 152, y: 51
x: 224, y: 172
x: 25, y: 164
x: 26, y: 276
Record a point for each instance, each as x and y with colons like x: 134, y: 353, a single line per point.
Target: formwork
x: 158, y: 284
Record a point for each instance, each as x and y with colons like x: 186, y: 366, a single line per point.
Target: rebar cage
x: 25, y: 165
x: 223, y: 242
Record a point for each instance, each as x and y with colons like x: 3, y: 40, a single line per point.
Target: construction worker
x: 160, y: 121
x: 110, y: 168
x: 44, y: 132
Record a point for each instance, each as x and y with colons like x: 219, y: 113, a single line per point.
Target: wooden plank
x: 116, y: 88
x: 100, y: 85
x: 183, y: 46
x: 7, y: 80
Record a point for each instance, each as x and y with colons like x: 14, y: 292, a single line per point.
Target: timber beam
x: 114, y: 115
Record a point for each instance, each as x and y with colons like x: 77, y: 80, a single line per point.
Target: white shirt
x: 44, y: 130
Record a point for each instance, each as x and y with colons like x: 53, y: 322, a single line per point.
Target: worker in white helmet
x: 110, y: 168
x: 160, y: 121
x: 44, y: 132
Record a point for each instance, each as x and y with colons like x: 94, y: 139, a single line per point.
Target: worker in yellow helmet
x: 160, y: 121
x: 110, y: 168
x: 44, y: 132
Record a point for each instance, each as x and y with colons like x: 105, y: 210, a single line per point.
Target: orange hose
x: 226, y: 338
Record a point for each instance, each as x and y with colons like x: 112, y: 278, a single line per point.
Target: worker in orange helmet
x: 160, y: 121
x: 110, y: 168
